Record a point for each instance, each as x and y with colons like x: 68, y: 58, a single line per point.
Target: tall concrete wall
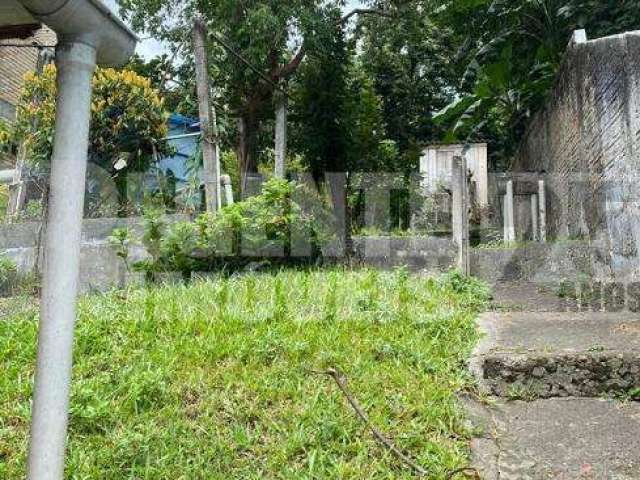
x: 587, y: 141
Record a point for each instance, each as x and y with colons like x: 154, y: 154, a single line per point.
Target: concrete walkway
x: 550, y: 385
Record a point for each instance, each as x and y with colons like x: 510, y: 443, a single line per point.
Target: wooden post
x: 542, y: 199
x: 509, y: 217
x: 207, y: 117
x: 534, y: 218
x: 460, y: 213
x: 281, y: 133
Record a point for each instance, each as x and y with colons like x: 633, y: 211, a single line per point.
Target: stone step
x: 556, y: 439
x: 545, y: 354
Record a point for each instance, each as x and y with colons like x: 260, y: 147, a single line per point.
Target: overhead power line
x: 252, y: 67
x: 25, y: 45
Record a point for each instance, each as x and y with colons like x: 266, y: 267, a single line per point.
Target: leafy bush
x: 120, y: 239
x: 466, y: 286
x: 8, y: 269
x: 9, y: 281
x: 128, y: 122
x: 252, y: 228
x: 6, y: 136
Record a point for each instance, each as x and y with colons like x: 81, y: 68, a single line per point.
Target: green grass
x: 213, y: 380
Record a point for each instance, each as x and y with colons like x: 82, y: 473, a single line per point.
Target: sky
x: 150, y: 48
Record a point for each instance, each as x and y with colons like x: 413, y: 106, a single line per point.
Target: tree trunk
x: 247, y: 146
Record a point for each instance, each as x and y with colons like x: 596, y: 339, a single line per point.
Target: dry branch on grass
x: 341, y: 381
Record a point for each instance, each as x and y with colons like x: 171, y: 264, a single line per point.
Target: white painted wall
x: 437, y: 161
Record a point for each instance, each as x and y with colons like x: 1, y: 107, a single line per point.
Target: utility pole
x: 208, y: 123
x: 281, y: 132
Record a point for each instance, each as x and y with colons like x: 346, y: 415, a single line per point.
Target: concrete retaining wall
x: 100, y: 268
x: 416, y: 253
x: 587, y: 141
x: 550, y: 263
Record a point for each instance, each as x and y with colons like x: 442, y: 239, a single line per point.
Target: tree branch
x: 363, y: 11
x: 291, y: 67
x: 342, y: 385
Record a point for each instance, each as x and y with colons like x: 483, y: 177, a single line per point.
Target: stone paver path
x: 550, y: 384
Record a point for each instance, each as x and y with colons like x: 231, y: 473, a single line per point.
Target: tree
x: 128, y: 122
x: 409, y: 62
x: 174, y: 82
x: 256, y: 45
x: 510, y: 53
x: 366, y: 123
x: 321, y: 132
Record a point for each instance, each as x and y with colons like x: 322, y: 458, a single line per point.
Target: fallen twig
x: 467, y: 472
x: 342, y: 385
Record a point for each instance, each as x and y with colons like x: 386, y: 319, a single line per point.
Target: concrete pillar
x: 534, y: 218
x: 460, y: 212
x: 281, y: 133
x: 509, y: 216
x: 542, y: 200
x: 208, y: 122
x: 225, y: 181
x: 76, y: 63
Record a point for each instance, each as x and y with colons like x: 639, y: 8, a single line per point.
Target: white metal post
x: 76, y: 63
x: 225, y: 181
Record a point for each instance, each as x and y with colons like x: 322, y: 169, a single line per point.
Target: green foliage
x: 267, y: 34
x: 408, y: 60
x: 249, y: 228
x: 128, y: 122
x: 6, y: 137
x: 201, y: 382
x: 154, y: 230
x: 319, y: 105
x: 120, y: 240
x: 174, y: 81
x: 366, y: 125
x: 33, y: 211
x: 4, y: 201
x: 509, y: 55
x: 466, y: 286
x: 8, y: 269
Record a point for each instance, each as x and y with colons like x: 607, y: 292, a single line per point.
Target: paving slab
x: 552, y: 354
x: 556, y: 439
x: 530, y: 297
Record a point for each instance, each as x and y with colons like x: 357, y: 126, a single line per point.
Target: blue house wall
x: 184, y: 138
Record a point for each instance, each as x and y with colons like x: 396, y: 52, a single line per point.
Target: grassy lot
x: 214, y: 380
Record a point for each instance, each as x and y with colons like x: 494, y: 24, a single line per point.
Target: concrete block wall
x: 587, y: 142
x: 417, y: 253
x: 100, y: 267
